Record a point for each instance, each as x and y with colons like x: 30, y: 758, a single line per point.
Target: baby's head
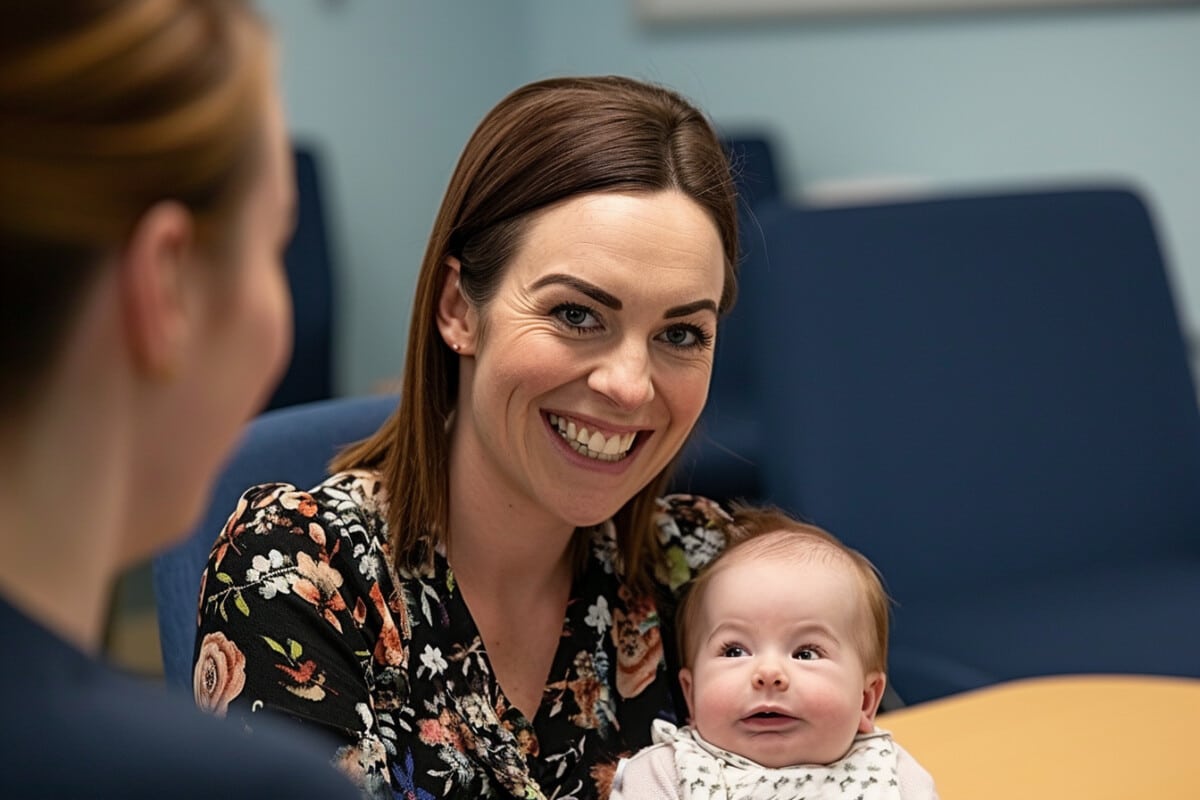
x: 784, y: 643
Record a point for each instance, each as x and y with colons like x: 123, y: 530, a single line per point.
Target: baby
x: 783, y: 640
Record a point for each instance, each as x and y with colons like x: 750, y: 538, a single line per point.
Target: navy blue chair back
x: 290, y: 445
x: 310, y: 272
x: 990, y: 396
x: 722, y: 457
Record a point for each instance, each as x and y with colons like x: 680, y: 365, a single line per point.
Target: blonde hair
x: 545, y: 142
x: 106, y: 108
x: 769, y: 533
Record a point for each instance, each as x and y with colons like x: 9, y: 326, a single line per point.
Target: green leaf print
x: 677, y: 567
x: 274, y: 645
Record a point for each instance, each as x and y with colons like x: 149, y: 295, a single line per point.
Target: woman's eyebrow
x: 604, y: 298
x: 690, y: 308
x: 590, y: 289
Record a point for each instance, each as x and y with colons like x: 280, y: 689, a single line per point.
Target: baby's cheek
x: 828, y: 703
x: 717, y: 704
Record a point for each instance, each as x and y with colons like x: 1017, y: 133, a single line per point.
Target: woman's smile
x: 591, y: 440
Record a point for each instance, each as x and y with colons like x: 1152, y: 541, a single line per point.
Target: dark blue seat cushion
x: 1131, y: 618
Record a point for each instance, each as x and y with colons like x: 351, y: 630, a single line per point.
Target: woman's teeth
x: 593, y: 444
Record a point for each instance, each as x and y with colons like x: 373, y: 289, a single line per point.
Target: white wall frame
x: 664, y: 11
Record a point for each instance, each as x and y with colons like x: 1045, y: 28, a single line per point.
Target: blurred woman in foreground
x: 145, y: 199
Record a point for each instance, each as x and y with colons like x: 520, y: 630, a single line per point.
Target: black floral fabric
x: 301, y: 613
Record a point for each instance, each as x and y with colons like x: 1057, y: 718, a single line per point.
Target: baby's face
x: 777, y: 677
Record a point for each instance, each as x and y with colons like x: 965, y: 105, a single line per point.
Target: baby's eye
x: 733, y: 651
x: 807, y: 654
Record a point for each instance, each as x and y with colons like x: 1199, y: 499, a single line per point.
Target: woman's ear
x: 872, y: 696
x: 154, y: 288
x: 455, y: 316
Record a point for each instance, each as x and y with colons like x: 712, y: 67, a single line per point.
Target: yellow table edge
x: 1087, y: 736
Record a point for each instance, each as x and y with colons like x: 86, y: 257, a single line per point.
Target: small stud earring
x: 457, y: 347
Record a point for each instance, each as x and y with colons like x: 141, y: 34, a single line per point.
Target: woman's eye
x: 807, y: 654
x: 733, y: 651
x: 686, y: 337
x: 576, y: 316
x: 680, y: 337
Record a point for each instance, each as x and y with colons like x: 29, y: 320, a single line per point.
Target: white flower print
x: 668, y: 529
x: 598, y: 616
x: 368, y: 565
x: 432, y: 660
x: 364, y: 713
x: 477, y: 712
x: 706, y: 544
x: 604, y: 547
x: 264, y: 570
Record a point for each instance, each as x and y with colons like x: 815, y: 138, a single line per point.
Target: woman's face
x: 593, y: 359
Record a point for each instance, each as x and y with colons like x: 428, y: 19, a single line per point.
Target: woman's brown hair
x: 545, y: 142
x: 106, y: 108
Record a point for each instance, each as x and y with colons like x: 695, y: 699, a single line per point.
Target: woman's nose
x: 624, y: 377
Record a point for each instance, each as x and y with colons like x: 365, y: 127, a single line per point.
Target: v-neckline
x: 469, y: 633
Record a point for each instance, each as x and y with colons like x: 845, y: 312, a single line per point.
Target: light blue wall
x: 388, y: 91
x: 953, y: 101
x: 393, y: 89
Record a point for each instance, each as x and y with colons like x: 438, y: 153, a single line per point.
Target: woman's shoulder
x: 343, y: 516
x: 692, y: 531
x: 178, y: 749
x: 355, y: 493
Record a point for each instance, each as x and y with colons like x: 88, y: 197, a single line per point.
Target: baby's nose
x: 770, y: 677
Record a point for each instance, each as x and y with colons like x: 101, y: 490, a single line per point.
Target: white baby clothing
x: 681, y: 766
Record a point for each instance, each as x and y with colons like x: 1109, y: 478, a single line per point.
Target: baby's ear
x: 685, y: 681
x: 873, y: 685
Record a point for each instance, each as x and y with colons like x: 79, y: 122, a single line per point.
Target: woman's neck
x: 73, y: 608
x: 503, y: 547
x: 60, y: 490
x: 508, y: 554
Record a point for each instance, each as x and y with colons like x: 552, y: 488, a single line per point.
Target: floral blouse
x: 302, y: 613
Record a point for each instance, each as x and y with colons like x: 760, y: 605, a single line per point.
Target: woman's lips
x: 591, y: 442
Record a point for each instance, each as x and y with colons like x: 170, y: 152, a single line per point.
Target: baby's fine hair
x: 766, y: 532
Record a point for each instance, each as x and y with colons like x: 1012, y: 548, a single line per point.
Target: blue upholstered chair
x: 990, y: 396
x: 291, y: 445
x: 722, y: 459
x: 310, y: 274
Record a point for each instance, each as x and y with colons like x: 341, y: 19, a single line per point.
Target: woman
x: 145, y: 196
x: 473, y: 602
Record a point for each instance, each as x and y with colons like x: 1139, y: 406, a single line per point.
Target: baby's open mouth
x: 769, y: 716
x: 593, y: 443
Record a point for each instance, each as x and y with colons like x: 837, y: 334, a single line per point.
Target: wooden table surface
x: 1094, y: 737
